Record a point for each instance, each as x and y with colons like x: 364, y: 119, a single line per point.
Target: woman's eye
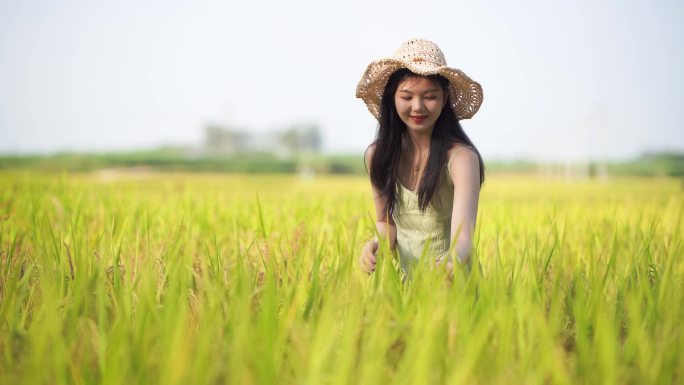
x: 405, y: 98
x: 430, y: 97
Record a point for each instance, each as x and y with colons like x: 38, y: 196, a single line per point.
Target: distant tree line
x: 184, y: 159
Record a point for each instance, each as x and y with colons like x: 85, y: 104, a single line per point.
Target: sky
x: 562, y: 80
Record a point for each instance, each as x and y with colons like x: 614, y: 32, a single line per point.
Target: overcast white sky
x: 562, y: 79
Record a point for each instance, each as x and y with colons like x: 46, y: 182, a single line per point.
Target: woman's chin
x: 420, y: 128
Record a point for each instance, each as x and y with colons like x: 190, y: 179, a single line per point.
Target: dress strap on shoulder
x: 456, y: 152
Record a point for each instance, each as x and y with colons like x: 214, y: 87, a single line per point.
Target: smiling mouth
x: 418, y: 119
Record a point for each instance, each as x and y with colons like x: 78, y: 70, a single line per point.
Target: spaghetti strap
x: 461, y: 148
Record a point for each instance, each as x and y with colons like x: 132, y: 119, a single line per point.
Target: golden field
x: 165, y: 278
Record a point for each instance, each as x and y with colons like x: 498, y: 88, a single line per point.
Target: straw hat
x: 422, y: 57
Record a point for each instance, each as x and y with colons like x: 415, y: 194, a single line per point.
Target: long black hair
x: 392, y: 139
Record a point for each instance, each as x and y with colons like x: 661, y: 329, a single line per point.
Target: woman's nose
x: 417, y: 105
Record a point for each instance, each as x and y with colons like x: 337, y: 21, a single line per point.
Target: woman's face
x: 419, y: 101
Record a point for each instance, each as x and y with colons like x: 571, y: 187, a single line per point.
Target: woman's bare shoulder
x: 462, y: 159
x: 462, y: 151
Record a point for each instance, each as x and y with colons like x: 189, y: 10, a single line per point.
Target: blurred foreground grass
x: 207, y: 279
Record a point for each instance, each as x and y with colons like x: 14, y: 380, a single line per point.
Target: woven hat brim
x: 465, y: 94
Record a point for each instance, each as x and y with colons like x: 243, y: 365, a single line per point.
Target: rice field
x: 134, y: 278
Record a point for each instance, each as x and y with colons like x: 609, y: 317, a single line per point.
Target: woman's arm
x: 384, y: 224
x: 464, y: 170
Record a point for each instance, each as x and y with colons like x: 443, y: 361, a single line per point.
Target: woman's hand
x: 446, y: 262
x: 449, y: 264
x: 367, y: 260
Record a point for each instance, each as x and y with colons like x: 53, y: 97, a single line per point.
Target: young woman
x: 424, y: 170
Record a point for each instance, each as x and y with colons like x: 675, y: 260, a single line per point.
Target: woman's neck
x: 418, y: 144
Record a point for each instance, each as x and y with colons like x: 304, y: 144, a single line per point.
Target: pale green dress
x: 424, y: 233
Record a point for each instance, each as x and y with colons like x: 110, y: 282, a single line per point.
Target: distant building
x: 220, y: 141
x: 295, y: 140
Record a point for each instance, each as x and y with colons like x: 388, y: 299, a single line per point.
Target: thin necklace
x: 416, y: 166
